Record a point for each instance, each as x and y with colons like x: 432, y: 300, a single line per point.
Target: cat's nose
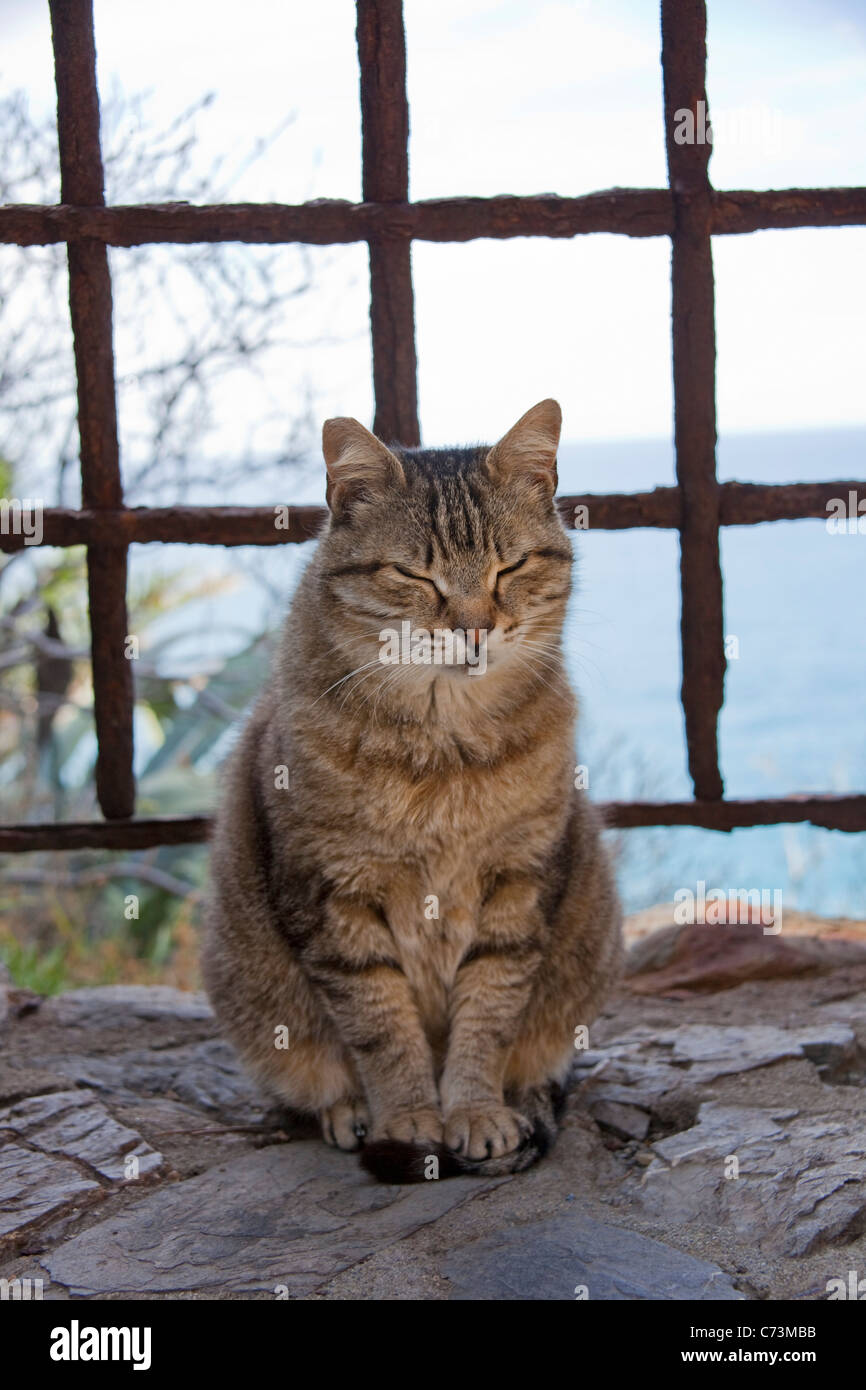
x: 473, y: 618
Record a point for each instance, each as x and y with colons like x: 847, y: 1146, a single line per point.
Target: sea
x: 794, y: 717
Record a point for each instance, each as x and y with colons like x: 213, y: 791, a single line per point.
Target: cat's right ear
x: 360, y: 468
x: 526, y: 455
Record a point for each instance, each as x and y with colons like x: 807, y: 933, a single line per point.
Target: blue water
x: 795, y: 697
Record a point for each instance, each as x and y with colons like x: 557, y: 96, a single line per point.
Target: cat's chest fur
x: 432, y: 912
x: 449, y: 834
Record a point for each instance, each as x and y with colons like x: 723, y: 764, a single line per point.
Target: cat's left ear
x: 527, y: 453
x: 360, y: 467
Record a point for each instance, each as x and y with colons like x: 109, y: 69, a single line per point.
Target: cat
x: 411, y: 910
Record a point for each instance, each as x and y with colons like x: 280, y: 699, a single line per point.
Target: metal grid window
x: 689, y: 211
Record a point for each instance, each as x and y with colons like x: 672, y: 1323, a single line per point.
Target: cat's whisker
x: 350, y: 690
x: 583, y: 661
x: 530, y: 666
x: 346, y: 678
x: 382, y: 686
x: 553, y: 648
x: 537, y: 663
x: 551, y: 652
x: 591, y: 613
x: 542, y: 651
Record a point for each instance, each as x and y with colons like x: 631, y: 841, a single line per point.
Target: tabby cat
x: 411, y: 911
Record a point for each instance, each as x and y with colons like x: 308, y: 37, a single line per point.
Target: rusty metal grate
x: 689, y: 211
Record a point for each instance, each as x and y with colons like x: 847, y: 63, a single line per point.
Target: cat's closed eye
x: 509, y: 569
x: 419, y: 578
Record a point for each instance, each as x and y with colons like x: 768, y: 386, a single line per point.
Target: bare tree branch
x: 103, y: 873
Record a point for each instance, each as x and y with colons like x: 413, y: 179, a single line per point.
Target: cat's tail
x: 393, y: 1161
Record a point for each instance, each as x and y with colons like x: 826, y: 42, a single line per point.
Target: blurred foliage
x: 66, y: 919
x: 191, y: 323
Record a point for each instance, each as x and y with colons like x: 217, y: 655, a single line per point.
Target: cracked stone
x: 114, y: 1006
x: 295, y: 1215
x: 207, y: 1075
x: 800, y: 1182
x: 17, y: 1082
x: 75, y: 1124
x: 714, y: 1051
x: 632, y: 1083
x: 36, y: 1185
x: 626, y: 1120
x: 300, y: 1215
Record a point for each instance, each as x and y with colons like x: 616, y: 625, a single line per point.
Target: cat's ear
x: 527, y: 453
x: 359, y: 466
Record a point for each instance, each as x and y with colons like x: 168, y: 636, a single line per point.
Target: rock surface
x: 572, y: 1256
x: 74, y: 1123
x: 34, y: 1186
x: 795, y: 1182
x: 290, y: 1216
x: 713, y: 1148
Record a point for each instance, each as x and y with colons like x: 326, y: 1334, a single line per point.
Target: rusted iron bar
x: 636, y: 212
x: 131, y: 834
x: 690, y: 211
x: 741, y: 504
x: 385, y: 179
x: 81, y: 182
x: 684, y: 24
x: 831, y: 812
x: 228, y: 526
x: 326, y: 221
x: 738, y: 211
x: 746, y: 504
x: 846, y: 813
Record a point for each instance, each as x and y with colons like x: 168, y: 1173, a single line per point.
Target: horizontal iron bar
x: 828, y: 811
x: 121, y: 834
x: 741, y: 504
x: 832, y: 812
x: 636, y: 212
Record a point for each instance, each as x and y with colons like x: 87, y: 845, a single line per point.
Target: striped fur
x: 427, y: 911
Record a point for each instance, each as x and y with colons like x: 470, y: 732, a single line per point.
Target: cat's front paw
x: 485, y: 1131
x: 345, y: 1124
x: 421, y: 1127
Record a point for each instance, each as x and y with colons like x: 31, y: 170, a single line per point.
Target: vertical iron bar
x: 684, y: 27
x: 385, y: 179
x: 90, y: 303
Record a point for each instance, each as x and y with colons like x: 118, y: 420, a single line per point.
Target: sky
x: 533, y: 96
x: 528, y: 96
